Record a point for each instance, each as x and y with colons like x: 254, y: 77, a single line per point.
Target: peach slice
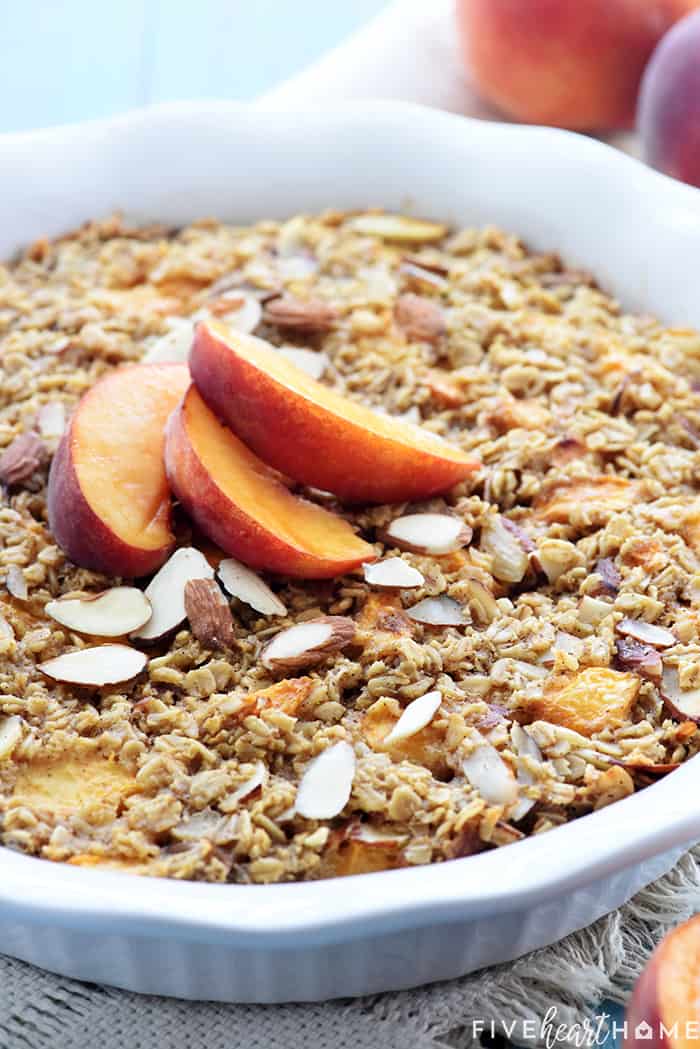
x: 108, y: 497
x: 663, y: 1010
x: 239, y: 503
x: 311, y: 432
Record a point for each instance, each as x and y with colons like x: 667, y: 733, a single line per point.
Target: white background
x: 66, y: 60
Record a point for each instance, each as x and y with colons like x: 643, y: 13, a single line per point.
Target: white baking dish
x: 640, y: 234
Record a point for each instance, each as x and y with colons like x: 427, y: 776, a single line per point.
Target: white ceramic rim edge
x: 600, y: 844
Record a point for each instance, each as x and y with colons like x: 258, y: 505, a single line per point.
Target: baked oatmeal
x: 501, y: 658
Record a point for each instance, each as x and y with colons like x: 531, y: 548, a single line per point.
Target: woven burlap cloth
x: 573, y: 977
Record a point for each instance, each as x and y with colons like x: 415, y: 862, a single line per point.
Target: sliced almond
x: 505, y: 834
x: 392, y: 574
x: 235, y: 284
x: 488, y: 773
x: 427, y: 533
x: 563, y: 642
x: 309, y: 361
x: 236, y: 309
x: 481, y: 603
x: 503, y: 669
x: 111, y: 613
x: 303, y: 315
x: 437, y: 611
x: 258, y: 779
x: 371, y: 835
x: 639, y: 658
x: 197, y: 826
x: 173, y: 347
x: 524, y: 744
x: 51, y: 419
x: 22, y: 458
x: 166, y: 592
x: 421, y: 276
x: 16, y: 583
x: 243, y: 583
x: 10, y: 735
x: 509, y: 560
x: 209, y: 613
x: 100, y: 665
x: 609, y: 576
x: 296, y: 267
x: 399, y: 228
x: 6, y: 630
x: 526, y: 748
x: 520, y: 534
x: 556, y: 557
x: 420, y: 319
x: 307, y: 644
x: 414, y: 717
x: 682, y: 705
x: 647, y: 633
x: 593, y: 611
x: 325, y: 787
x: 493, y: 716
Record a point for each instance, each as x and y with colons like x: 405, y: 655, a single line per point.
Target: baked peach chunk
x: 287, y: 696
x: 109, y: 863
x: 589, y: 701
x: 690, y: 529
x: 602, y: 495
x: 426, y: 747
x: 240, y: 504
x: 384, y: 613
x: 360, y: 849
x: 314, y: 434
x: 108, y: 497
x: 444, y: 389
x: 511, y: 414
x: 76, y: 781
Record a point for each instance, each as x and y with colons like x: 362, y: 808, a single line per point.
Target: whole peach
x: 669, y: 103
x: 664, y: 1010
x: 569, y: 63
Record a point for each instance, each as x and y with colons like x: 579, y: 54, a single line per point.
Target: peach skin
x: 669, y: 103
x: 663, y: 1012
x: 108, y: 496
x: 314, y: 434
x: 571, y: 63
x: 240, y: 504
